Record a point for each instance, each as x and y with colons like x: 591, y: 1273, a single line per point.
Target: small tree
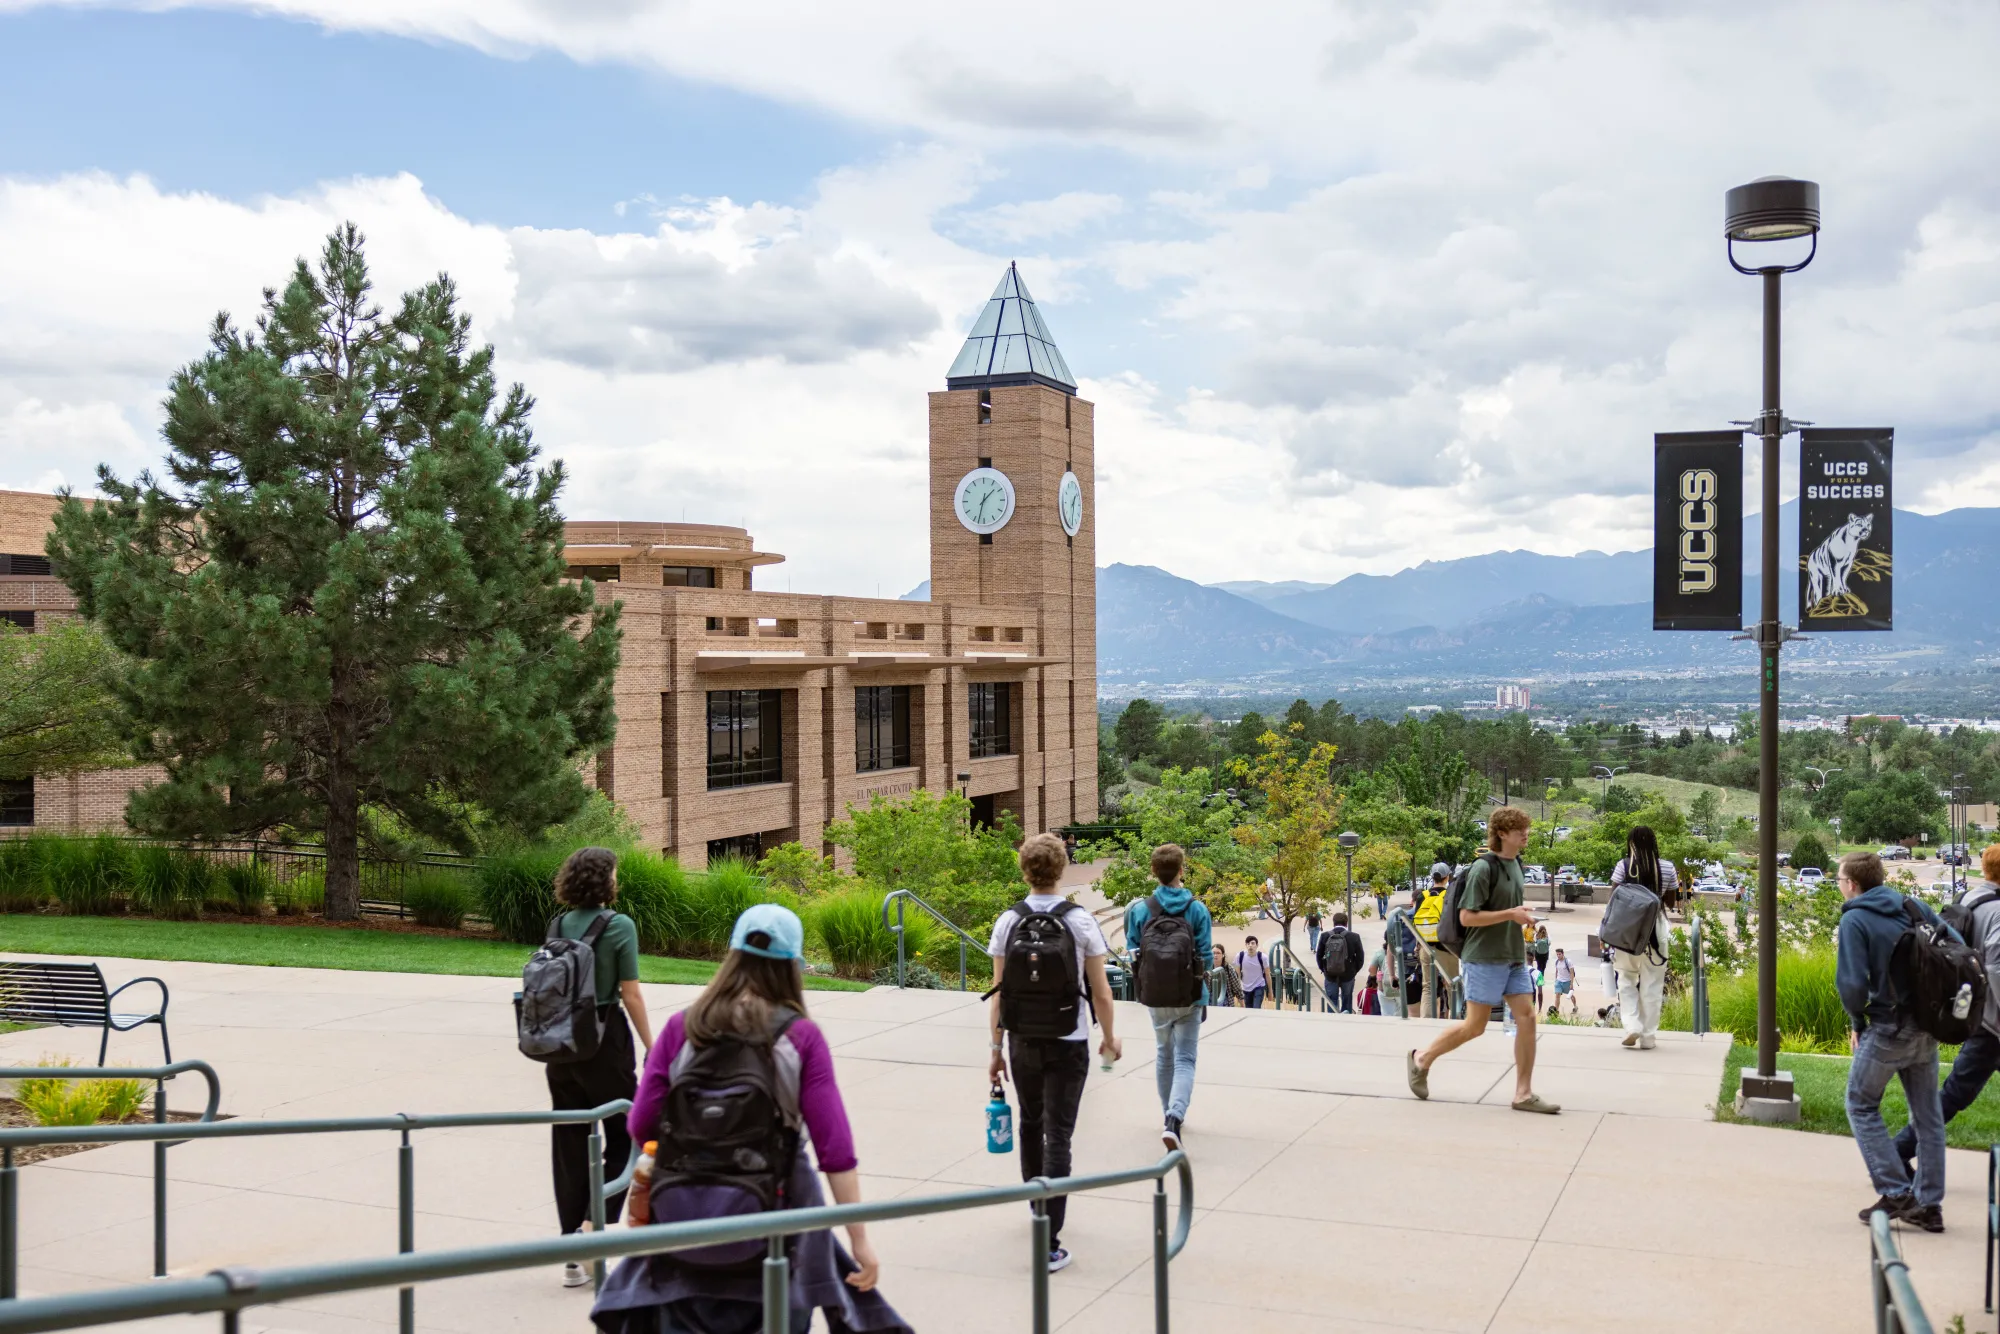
x: 1809, y: 851
x: 1294, y: 831
x: 57, y: 712
x: 348, y: 591
x: 1705, y: 812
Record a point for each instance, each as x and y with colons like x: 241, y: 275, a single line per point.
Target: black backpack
x: 1341, y: 954
x: 1169, y: 968
x: 1958, y: 915
x: 555, y: 1011
x: 1451, y: 934
x: 727, y: 1141
x: 1940, y: 983
x: 1041, y: 995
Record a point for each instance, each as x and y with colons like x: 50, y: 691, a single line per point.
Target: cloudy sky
x: 1354, y: 285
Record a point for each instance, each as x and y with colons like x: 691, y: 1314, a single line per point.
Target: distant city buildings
x: 1510, y: 697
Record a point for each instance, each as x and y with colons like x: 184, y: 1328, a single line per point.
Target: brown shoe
x: 1631, y: 1040
x: 1534, y: 1102
x: 1420, y: 1078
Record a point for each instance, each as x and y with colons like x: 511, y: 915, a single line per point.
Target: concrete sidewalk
x: 1328, y: 1197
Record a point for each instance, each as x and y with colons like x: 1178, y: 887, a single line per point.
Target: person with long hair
x: 756, y: 998
x: 586, y: 887
x: 1642, y: 977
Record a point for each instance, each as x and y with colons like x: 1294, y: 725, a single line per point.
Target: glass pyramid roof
x: 1009, y: 344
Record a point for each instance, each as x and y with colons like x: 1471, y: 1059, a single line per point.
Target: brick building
x: 749, y: 718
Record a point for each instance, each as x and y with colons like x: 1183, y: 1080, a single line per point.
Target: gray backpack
x: 1630, y: 918
x: 555, y: 1011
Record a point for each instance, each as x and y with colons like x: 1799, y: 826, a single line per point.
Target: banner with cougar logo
x: 1845, y: 565
x: 1698, y: 530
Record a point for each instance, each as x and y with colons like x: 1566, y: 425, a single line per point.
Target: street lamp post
x: 1607, y: 774
x: 1771, y: 208
x: 1348, y: 843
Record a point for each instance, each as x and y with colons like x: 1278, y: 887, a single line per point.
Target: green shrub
x: 171, y: 882
x: 653, y: 892
x: 437, y: 898
x: 21, y: 885
x: 245, y: 887
x: 1810, y: 1017
x: 848, y: 925
x: 54, y: 1101
x: 85, y: 875
x: 516, y: 892
x: 716, y: 899
x: 304, y: 893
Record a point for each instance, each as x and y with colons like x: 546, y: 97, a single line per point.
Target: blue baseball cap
x: 770, y: 931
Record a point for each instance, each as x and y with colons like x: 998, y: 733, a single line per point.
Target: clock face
x: 985, y: 500
x: 1069, y: 503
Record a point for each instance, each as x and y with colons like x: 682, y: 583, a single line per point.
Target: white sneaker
x: 1645, y: 1044
x: 575, y: 1275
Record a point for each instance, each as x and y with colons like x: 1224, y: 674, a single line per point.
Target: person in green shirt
x: 586, y: 887
x: 1494, y: 960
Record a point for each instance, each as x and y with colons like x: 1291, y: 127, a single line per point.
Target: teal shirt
x: 1181, y: 901
x: 617, y: 950
x: 1487, y: 892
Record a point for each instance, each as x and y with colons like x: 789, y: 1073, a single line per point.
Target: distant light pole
x: 1348, y: 843
x: 1825, y: 775
x: 1606, y: 773
x: 1771, y: 208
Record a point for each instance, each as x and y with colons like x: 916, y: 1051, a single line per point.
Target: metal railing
x: 1897, y: 1309
x: 229, y: 1291
x: 1992, y: 1218
x: 1698, y: 984
x: 899, y: 897
x: 10, y: 1140
x: 162, y: 1136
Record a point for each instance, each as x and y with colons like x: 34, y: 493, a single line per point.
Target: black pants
x: 608, y: 1075
x: 1048, y: 1076
x: 1977, y: 1061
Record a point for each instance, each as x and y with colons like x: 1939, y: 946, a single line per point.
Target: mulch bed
x: 13, y: 1114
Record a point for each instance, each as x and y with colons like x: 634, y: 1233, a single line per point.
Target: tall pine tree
x: 348, y: 591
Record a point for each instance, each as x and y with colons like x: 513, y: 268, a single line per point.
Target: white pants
x: 1642, y: 987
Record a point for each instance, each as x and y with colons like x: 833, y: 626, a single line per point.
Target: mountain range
x: 1523, y: 614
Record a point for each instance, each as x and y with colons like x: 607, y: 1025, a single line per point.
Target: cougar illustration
x: 1832, y: 562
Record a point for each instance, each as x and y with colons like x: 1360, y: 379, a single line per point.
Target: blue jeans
x: 1253, y: 998
x: 1911, y: 1055
x: 1342, y: 989
x: 1312, y: 940
x: 1976, y: 1063
x: 1176, y: 1032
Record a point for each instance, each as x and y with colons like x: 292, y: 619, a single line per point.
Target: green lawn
x: 357, y: 949
x: 1822, y: 1085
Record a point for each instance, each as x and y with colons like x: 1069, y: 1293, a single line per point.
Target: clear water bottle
x: 1961, y: 1005
x: 999, y: 1123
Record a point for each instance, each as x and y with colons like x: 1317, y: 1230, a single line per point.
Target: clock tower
x: 1014, y: 525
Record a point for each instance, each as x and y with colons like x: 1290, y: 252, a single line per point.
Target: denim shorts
x: 1489, y: 983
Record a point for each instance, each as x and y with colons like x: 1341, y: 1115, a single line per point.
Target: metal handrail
x: 1282, y: 963
x: 1897, y: 1308
x: 230, y: 1291
x: 10, y: 1184
x: 1698, y: 985
x: 163, y: 1136
x: 901, y: 896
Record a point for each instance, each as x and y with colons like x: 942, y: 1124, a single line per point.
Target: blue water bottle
x: 999, y: 1123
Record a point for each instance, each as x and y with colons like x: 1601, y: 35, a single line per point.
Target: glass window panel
x: 988, y: 322
x: 602, y: 574
x: 687, y: 576
x: 745, y: 737
x: 972, y: 358
x: 1009, y: 284
x: 17, y: 802
x: 1011, y: 358
x: 1010, y: 319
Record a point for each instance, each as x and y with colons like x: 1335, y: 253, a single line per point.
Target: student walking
x: 1538, y: 958
x: 1232, y: 982
x: 1888, y: 1043
x: 586, y: 887
x: 1494, y: 960
x: 1563, y: 973
x: 748, y: 1034
x: 1169, y: 933
x: 1339, y: 956
x: 1250, y: 967
x: 1048, y: 965
x: 1312, y: 929
x: 1979, y: 1055
x: 1642, y: 977
x: 1371, y: 994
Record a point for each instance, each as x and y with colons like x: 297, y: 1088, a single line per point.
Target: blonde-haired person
x: 586, y: 887
x: 1642, y: 977
x: 755, y: 1003
x: 1494, y: 961
x: 1979, y: 1055
x: 1049, y: 1052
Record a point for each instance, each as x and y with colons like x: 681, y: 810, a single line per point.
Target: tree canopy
x: 57, y: 711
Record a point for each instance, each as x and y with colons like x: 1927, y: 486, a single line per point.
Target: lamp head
x: 1349, y: 842
x: 1771, y: 208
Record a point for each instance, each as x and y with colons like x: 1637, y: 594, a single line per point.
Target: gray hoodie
x: 1984, y: 900
x: 1870, y: 924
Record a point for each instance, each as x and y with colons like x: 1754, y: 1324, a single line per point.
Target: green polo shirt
x: 617, y: 950
x: 1486, y: 891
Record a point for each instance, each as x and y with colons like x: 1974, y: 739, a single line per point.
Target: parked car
x: 1957, y: 854
x: 1563, y: 831
x: 1811, y: 876
x: 1566, y: 875
x: 1893, y: 852
x: 1534, y: 875
x: 1784, y: 859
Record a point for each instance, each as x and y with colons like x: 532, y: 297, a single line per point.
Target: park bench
x: 73, y: 995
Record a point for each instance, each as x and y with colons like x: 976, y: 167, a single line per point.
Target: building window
x: 20, y: 620
x: 20, y: 564
x: 881, y: 728
x: 746, y: 848
x: 992, y: 728
x: 599, y: 574
x: 17, y: 802
x: 687, y: 576
x: 985, y: 410
x: 746, y: 739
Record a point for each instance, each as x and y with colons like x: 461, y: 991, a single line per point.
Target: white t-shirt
x: 1089, y: 945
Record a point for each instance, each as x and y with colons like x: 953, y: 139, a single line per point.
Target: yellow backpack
x: 1427, y: 914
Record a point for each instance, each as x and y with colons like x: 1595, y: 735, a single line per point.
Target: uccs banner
x: 1844, y: 529
x: 1698, y: 530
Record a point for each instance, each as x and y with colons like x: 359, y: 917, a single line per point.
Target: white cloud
x: 1035, y: 219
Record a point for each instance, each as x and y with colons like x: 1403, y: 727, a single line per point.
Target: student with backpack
x: 1482, y: 920
x: 1976, y: 918
x: 1371, y: 994
x: 1048, y: 978
x: 1168, y: 931
x: 1340, y: 958
x: 1250, y: 968
x: 1312, y: 927
x: 1881, y: 935
x: 745, y: 1046
x: 1232, y: 984
x: 578, y: 1005
x: 1642, y: 972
